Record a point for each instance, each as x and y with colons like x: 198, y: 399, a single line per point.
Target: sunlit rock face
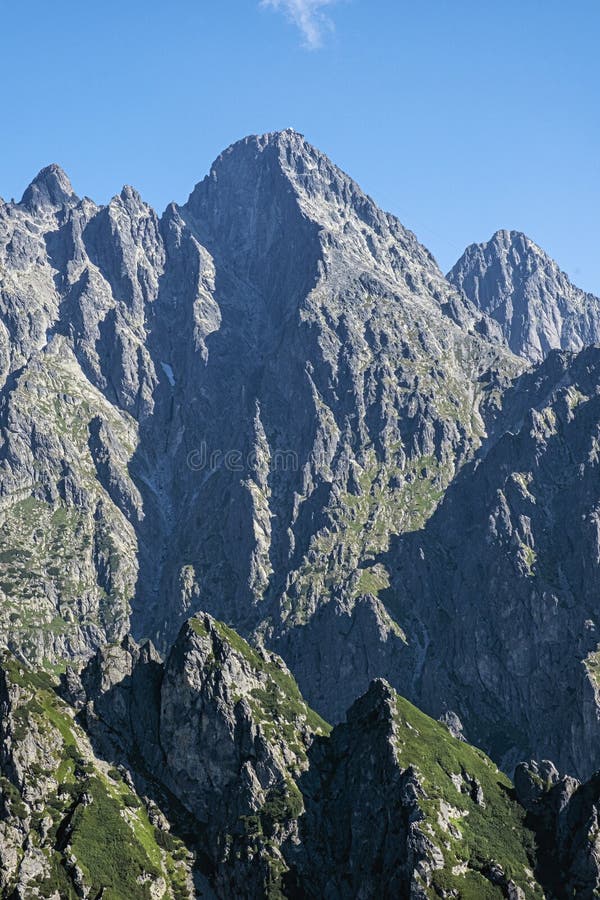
x: 516, y: 283
x: 270, y: 405
x: 230, y: 407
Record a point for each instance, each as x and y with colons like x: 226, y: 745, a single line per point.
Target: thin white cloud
x: 307, y: 15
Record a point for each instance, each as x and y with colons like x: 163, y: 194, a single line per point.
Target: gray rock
x: 230, y: 408
x: 253, y: 406
x: 497, y: 594
x: 538, y: 309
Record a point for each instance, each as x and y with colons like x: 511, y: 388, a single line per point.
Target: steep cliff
x: 499, y: 591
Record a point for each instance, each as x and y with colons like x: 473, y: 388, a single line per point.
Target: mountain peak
x: 277, y: 189
x: 284, y: 136
x: 516, y: 282
x: 50, y: 188
x: 502, y: 240
x: 286, y: 150
x: 507, y: 235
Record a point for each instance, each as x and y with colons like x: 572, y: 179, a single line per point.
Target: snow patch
x: 169, y: 373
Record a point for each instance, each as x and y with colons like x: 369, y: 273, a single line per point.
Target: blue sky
x: 459, y: 117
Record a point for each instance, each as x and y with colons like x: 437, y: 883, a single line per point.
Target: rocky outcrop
x: 537, y: 308
x: 235, y: 733
x: 564, y: 815
x: 153, y: 780
x: 222, y: 730
x: 396, y: 806
x: 231, y: 786
x: 70, y: 824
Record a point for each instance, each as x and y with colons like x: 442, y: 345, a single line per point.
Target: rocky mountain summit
x: 261, y: 463
x: 538, y: 309
x: 149, y: 462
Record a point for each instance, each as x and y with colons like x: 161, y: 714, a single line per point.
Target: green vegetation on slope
x: 469, y: 809
x: 392, y: 497
x: 280, y: 704
x: 113, y: 856
x: 85, y: 818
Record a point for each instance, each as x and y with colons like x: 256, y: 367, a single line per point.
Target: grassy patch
x: 112, y: 860
x: 482, y: 833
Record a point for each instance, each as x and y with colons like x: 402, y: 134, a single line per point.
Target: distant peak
x: 501, y: 242
x: 517, y: 283
x: 286, y: 153
x: 287, y: 136
x: 50, y: 188
x: 502, y: 236
x: 274, y: 137
x: 246, y: 161
x: 287, y: 139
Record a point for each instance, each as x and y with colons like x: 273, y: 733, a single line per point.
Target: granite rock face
x: 564, y: 815
x: 228, y: 408
x: 536, y: 306
x: 499, y: 590
x: 269, y: 404
x: 354, y: 384
x: 77, y: 381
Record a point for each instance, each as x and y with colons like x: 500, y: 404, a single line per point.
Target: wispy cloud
x: 307, y: 15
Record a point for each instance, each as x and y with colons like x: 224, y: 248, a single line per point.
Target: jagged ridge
x: 210, y: 765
